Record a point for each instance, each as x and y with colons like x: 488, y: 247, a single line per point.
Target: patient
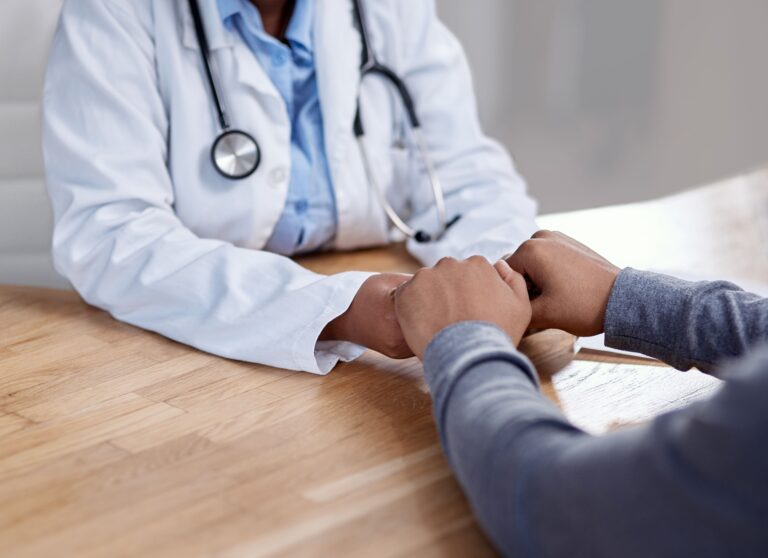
x: 691, y: 483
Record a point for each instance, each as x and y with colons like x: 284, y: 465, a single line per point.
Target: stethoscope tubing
x: 202, y: 39
x: 371, y: 66
x: 228, y: 148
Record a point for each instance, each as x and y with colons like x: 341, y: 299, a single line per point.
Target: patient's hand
x: 574, y: 283
x: 455, y: 291
x: 370, y: 320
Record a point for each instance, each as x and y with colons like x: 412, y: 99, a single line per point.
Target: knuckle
x: 559, y: 237
x: 537, y: 247
x: 421, y: 276
x: 477, y: 260
x: 526, y: 247
x: 543, y: 233
x: 446, y: 261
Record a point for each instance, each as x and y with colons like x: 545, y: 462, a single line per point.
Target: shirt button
x: 278, y: 176
x: 279, y: 58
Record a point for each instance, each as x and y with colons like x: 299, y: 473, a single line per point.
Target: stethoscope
x: 236, y: 154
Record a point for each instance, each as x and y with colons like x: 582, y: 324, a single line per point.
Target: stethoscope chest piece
x: 236, y: 154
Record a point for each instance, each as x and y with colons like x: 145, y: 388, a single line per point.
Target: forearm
x: 243, y: 304
x: 486, y: 403
x: 461, y: 350
x: 690, y: 484
x: 685, y: 324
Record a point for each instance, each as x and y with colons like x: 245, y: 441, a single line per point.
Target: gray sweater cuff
x: 645, y: 314
x: 460, y: 347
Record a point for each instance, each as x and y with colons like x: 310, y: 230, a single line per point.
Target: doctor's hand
x: 370, y: 320
x: 573, y: 283
x: 459, y: 291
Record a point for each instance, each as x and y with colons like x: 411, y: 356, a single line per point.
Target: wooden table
x: 117, y: 442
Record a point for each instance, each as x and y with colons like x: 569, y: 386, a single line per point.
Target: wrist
x: 336, y: 330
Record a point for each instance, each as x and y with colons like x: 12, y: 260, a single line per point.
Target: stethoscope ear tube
x: 371, y: 66
x: 420, y: 236
x: 399, y: 85
x: 379, y: 191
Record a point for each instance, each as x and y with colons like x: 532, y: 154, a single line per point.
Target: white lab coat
x: 146, y: 229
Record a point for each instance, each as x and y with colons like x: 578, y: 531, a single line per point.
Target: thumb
x: 540, y: 318
x: 519, y: 283
x: 513, y: 279
x: 505, y: 272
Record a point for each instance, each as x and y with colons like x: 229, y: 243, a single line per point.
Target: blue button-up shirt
x: 308, y: 221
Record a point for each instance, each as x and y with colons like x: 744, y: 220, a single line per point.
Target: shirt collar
x: 299, y: 30
x: 228, y: 8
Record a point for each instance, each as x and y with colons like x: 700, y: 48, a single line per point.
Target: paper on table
x: 598, y: 396
x: 597, y: 343
x: 715, y: 232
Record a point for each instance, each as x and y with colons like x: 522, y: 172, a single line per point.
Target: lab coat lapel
x: 338, y: 51
x: 337, y: 56
x: 218, y: 36
x: 228, y: 49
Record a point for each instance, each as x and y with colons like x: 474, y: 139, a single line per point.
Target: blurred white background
x: 607, y: 101
x: 600, y: 101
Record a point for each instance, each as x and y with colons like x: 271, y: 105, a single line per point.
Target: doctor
x: 193, y: 146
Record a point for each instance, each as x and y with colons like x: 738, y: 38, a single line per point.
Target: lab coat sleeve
x: 477, y: 174
x: 117, y: 238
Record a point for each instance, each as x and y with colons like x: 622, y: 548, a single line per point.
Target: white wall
x: 601, y: 101
x: 605, y: 101
x: 26, y: 28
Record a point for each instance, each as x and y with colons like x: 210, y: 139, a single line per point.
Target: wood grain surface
x: 118, y: 442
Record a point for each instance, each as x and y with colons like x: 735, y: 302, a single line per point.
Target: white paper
x: 597, y: 343
x: 598, y: 396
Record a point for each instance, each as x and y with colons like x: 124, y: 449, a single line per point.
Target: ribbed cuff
x: 645, y: 312
x: 460, y: 347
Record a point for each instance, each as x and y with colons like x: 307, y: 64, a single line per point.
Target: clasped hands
x: 398, y: 315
